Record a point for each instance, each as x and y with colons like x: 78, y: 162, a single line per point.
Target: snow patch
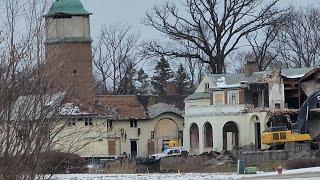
x: 183, y: 176
x: 71, y: 109
x: 221, y: 83
x: 294, y: 76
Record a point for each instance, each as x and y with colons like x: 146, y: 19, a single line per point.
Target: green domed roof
x: 70, y: 7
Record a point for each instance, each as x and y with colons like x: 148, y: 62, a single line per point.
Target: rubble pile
x: 220, y: 159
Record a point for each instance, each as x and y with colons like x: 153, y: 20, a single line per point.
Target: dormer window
x: 206, y: 87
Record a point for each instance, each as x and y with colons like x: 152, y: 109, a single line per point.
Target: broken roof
x: 295, y: 73
x: 223, y: 81
x: 233, y: 81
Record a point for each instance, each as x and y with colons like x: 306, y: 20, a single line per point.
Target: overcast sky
x: 129, y: 12
x: 133, y: 11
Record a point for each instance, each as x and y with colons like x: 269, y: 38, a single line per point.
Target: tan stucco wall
x: 244, y: 122
x: 146, y: 126
x: 80, y: 138
x: 198, y: 102
x: 98, y: 135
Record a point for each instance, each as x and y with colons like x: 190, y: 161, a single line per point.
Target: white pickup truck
x: 168, y: 152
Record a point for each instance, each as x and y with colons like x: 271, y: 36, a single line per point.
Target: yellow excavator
x: 170, y: 144
x: 299, y: 131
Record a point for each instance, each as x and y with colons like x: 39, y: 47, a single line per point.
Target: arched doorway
x: 164, y: 131
x: 230, y: 136
x: 194, y: 138
x: 257, y: 131
x: 208, y: 136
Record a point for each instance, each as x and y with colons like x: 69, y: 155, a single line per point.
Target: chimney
x: 171, y: 89
x: 251, y: 67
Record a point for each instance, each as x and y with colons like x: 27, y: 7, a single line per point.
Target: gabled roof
x: 126, y: 106
x: 69, y: 7
x: 36, y: 107
x: 141, y: 107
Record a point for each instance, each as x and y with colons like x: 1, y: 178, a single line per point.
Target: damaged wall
x: 276, y: 91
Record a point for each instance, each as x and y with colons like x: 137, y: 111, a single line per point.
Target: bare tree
x: 263, y: 46
x: 215, y: 28
x: 238, y: 61
x: 299, y: 39
x: 116, y: 55
x: 196, y: 69
x: 30, y: 113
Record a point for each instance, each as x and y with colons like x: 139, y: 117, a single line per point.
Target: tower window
x: 75, y: 72
x: 62, y: 16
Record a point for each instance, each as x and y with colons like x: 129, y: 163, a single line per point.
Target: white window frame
x: 206, y: 87
x: 88, y: 121
x: 230, y: 101
x: 133, y: 123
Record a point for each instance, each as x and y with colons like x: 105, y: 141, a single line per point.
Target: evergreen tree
x: 127, y: 84
x: 181, y: 81
x: 162, y: 75
x: 143, y: 83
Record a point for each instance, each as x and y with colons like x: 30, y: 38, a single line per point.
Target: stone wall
x: 291, y: 151
x: 259, y: 156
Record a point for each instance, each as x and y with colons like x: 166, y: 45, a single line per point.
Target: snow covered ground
x: 306, y: 173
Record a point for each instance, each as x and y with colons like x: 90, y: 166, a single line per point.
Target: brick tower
x: 68, y: 49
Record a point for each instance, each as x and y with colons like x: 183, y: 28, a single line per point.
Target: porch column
x: 201, y: 138
x: 217, y: 138
x: 186, y: 137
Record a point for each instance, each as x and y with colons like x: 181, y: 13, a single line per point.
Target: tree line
x: 205, y: 36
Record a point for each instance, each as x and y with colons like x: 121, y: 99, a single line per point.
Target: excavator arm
x: 299, y: 129
x: 301, y: 125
